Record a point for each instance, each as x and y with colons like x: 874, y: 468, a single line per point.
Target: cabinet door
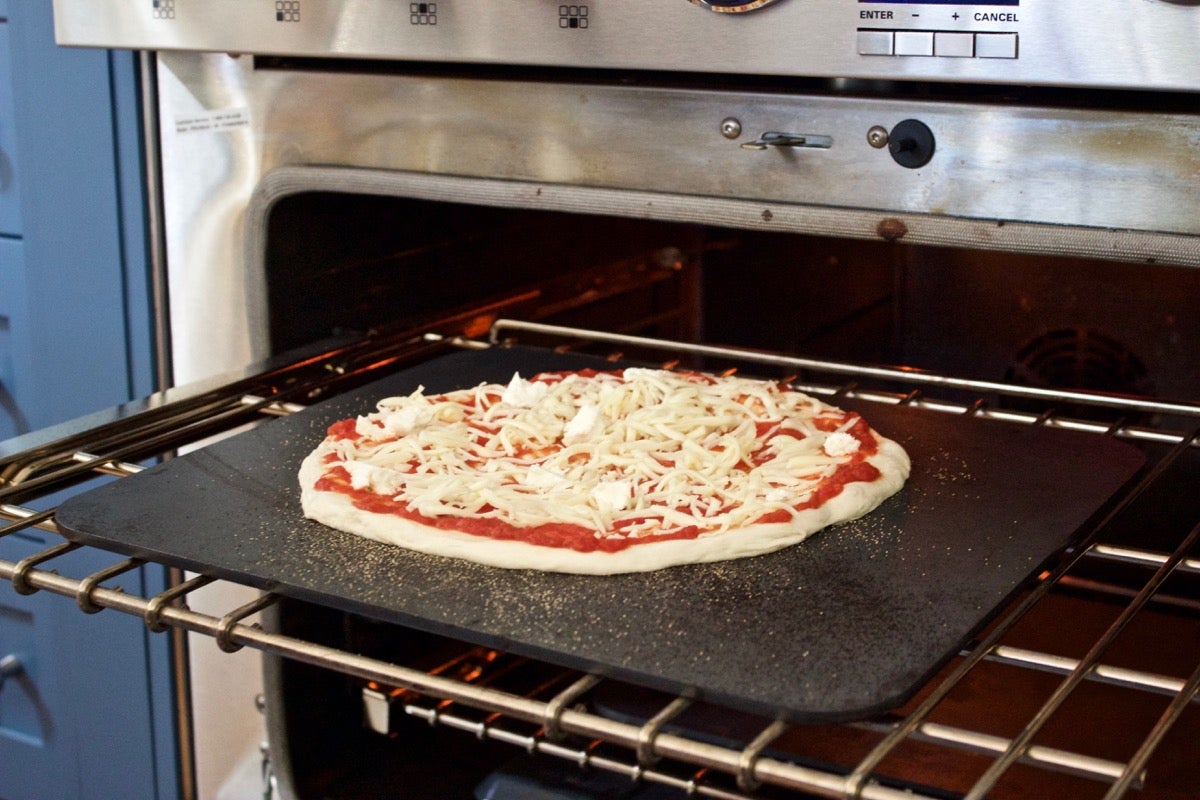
x: 91, y: 715
x: 15, y: 359
x: 75, y: 721
x: 79, y: 260
x: 32, y: 723
x: 26, y: 723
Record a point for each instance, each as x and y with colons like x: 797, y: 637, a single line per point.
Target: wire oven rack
x: 652, y: 750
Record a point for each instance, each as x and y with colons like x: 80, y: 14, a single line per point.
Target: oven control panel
x: 1143, y: 44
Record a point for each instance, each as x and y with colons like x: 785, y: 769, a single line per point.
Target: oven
x: 982, y: 214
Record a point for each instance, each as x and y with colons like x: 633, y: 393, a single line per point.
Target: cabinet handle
x: 10, y: 667
x: 8, y: 404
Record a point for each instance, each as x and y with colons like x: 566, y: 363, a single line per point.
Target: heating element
x: 944, y: 742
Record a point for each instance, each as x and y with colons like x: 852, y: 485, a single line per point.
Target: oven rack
x: 507, y: 717
x: 553, y: 718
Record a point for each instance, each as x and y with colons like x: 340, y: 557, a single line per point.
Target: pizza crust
x: 855, y: 499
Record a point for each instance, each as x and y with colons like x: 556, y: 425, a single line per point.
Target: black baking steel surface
x: 844, y: 625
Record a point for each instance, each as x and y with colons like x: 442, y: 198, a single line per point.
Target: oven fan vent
x: 1080, y: 358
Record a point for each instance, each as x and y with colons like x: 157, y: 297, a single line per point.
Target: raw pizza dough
x: 600, y: 473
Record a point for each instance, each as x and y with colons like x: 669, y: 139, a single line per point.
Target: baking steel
x: 842, y: 626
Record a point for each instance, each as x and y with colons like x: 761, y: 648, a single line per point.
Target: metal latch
x: 780, y: 139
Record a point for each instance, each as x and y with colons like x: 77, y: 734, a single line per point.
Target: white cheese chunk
x: 610, y: 496
x: 406, y: 420
x: 368, y: 428
x: 377, y: 479
x: 522, y: 393
x: 840, y: 443
x: 583, y: 425
x: 541, y: 478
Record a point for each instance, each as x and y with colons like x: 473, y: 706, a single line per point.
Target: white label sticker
x: 229, y: 119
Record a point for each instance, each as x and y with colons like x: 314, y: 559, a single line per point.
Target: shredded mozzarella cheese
x: 644, y: 452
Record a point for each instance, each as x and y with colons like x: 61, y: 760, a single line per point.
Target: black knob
x: 911, y: 143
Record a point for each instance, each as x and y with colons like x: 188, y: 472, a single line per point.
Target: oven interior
x: 337, y: 263
x: 1052, y: 323
x: 1083, y: 685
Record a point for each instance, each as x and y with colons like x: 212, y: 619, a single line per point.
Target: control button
x: 914, y: 43
x: 995, y: 45
x: 574, y: 17
x: 954, y: 45
x: 874, y: 43
x: 422, y: 13
x: 911, y: 143
x: 163, y: 9
x: 287, y: 10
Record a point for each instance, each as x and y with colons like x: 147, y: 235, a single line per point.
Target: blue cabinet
x: 73, y: 190
x: 90, y: 716
x: 10, y: 209
x: 74, y: 721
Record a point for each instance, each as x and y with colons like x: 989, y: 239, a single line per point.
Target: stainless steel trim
x: 156, y: 240
x: 1148, y: 45
x: 1136, y: 207
x: 654, y: 151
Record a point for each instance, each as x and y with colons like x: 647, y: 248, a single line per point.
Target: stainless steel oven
x: 999, y: 199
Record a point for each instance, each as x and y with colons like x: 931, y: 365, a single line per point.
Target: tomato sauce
x: 344, y: 429
x: 573, y: 537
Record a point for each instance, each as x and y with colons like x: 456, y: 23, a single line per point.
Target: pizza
x: 600, y: 472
